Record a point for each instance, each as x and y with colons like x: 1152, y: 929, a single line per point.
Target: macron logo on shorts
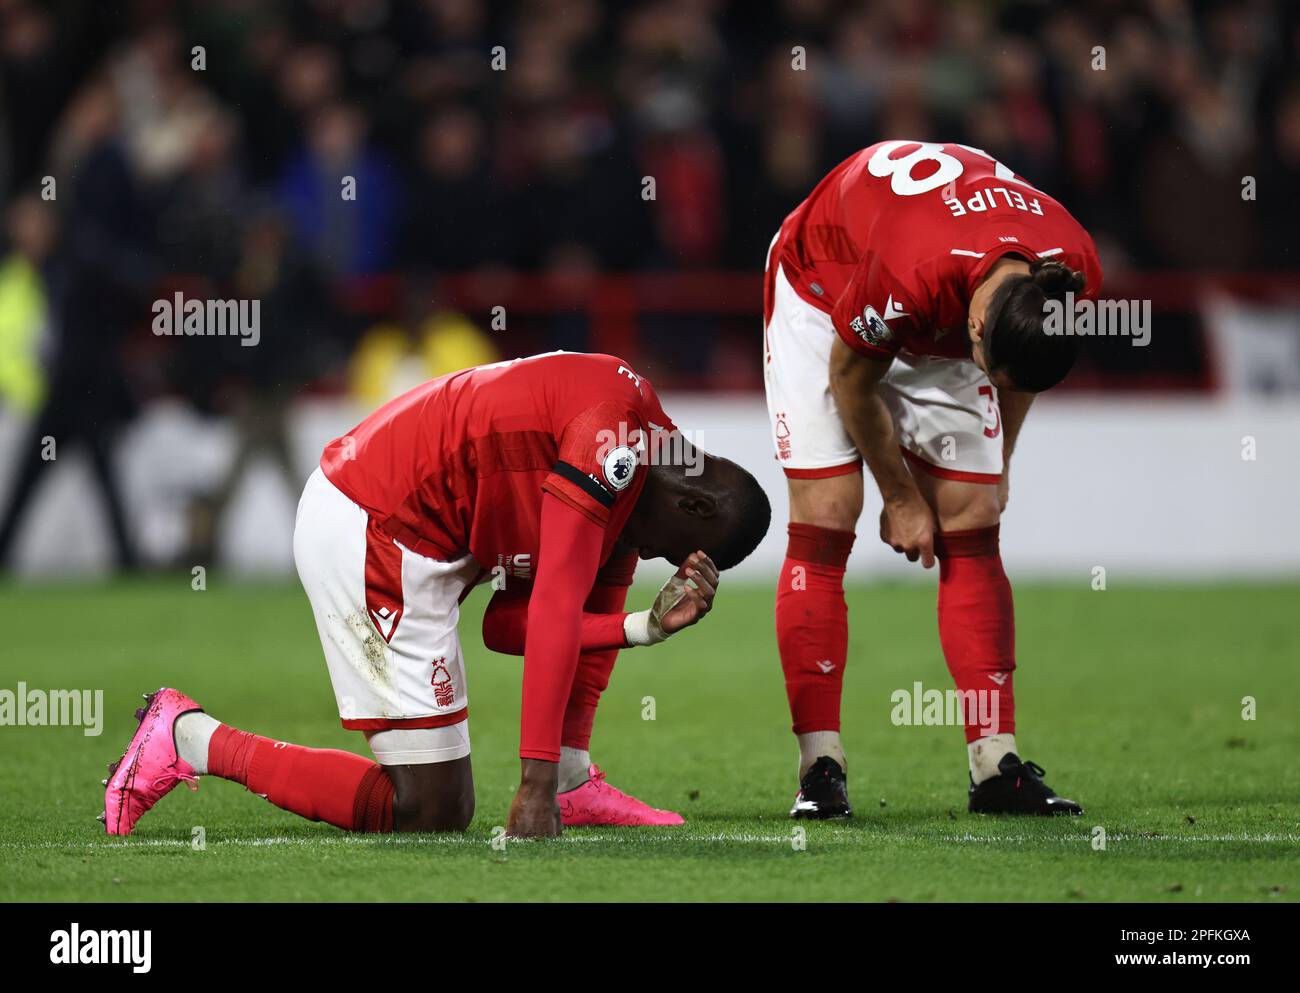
x: 385, y: 620
x: 383, y: 582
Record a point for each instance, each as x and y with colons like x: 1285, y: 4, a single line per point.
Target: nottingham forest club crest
x: 618, y: 467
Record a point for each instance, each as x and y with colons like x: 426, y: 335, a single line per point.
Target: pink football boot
x: 150, y: 768
x: 595, y: 802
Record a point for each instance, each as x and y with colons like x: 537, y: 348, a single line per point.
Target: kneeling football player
x: 528, y: 472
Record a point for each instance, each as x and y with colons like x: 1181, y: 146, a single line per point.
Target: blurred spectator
x: 1279, y: 187
x: 202, y: 203
x: 103, y: 273
x: 426, y: 340
x: 36, y: 79
x: 292, y: 348
x: 24, y: 302
x: 453, y: 221
x: 341, y: 194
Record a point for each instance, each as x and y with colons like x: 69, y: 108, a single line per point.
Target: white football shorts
x: 387, y: 619
x: 945, y: 410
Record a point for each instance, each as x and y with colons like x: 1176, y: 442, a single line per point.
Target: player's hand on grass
x: 534, y: 812
x: 701, y: 578
x: 907, y: 526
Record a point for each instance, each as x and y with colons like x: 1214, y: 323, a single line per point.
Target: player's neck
x: 1002, y: 269
x: 1008, y: 265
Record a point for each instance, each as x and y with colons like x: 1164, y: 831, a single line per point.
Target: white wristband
x: 638, y: 629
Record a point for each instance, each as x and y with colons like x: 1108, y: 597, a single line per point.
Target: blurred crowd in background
x: 216, y: 172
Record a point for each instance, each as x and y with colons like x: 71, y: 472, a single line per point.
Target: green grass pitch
x: 1131, y: 698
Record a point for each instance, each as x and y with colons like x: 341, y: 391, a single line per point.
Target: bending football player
x: 905, y: 302
x: 526, y: 473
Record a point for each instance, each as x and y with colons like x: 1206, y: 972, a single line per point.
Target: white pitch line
x: 1220, y: 838
x: 372, y: 842
x: 461, y: 841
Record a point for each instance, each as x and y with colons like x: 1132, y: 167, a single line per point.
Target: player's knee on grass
x: 834, y: 502
x: 434, y: 797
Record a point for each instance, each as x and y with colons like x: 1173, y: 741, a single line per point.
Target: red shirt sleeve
x: 505, y: 624
x: 619, y: 569
x: 567, y: 562
x: 875, y: 313
x: 597, y: 463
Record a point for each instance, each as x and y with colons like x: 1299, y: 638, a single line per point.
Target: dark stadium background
x: 522, y: 189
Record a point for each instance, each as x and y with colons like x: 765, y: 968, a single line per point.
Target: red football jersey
x: 460, y: 463
x: 893, y: 242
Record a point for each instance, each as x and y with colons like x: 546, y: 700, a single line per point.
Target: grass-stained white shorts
x: 387, y: 620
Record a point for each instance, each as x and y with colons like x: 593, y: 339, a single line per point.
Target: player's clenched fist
x: 907, y: 526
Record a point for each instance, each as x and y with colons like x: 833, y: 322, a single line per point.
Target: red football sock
x: 812, y: 624
x: 589, y: 683
x: 977, y: 627
x: 321, y: 784
x: 594, y: 668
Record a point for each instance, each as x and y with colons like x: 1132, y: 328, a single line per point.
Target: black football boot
x: 823, y: 792
x: 1018, y: 789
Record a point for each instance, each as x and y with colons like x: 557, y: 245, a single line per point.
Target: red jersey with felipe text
x: 460, y: 463
x: 893, y: 242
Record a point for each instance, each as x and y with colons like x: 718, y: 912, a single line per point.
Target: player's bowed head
x: 1007, y: 313
x: 698, y: 503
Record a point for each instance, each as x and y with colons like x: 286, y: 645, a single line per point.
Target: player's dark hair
x: 1014, y: 339
x: 748, y: 513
